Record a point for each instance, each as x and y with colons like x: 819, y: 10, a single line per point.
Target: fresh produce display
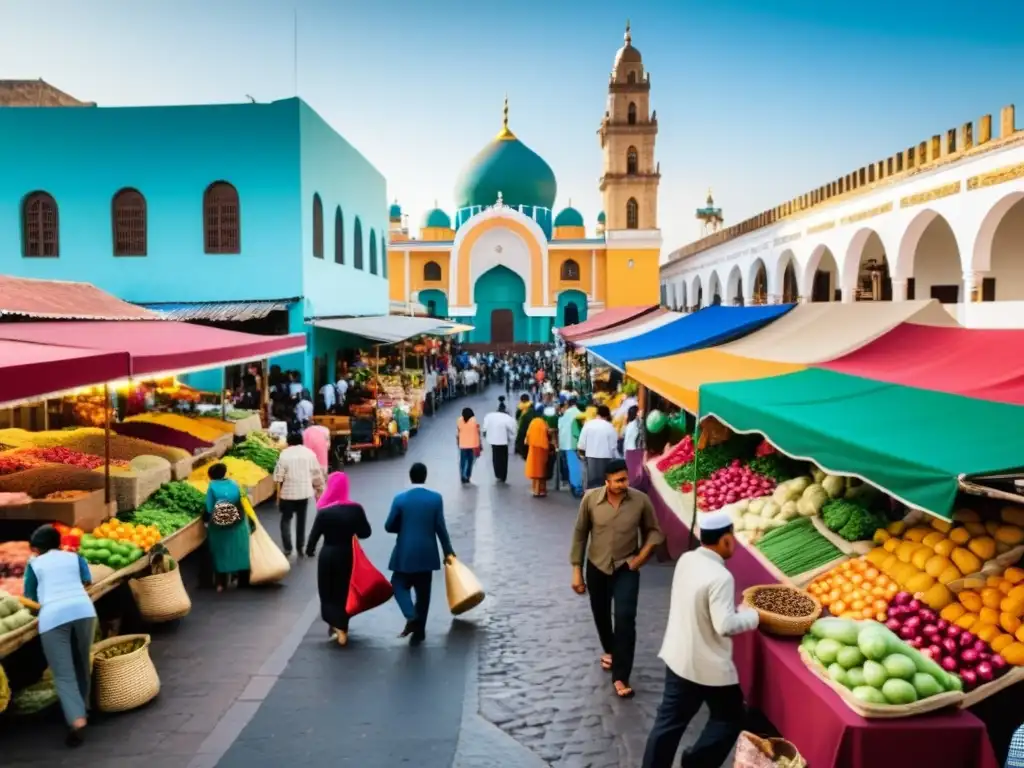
x: 855, y: 589
x: 141, y: 536
x: 705, y: 463
x: 730, y: 484
x: 797, y: 547
x: 60, y: 455
x: 162, y: 434
x: 756, y: 516
x: 224, y: 427
x: 14, y: 557
x: 171, y: 508
x: 785, y: 602
x: 14, y: 499
x: 874, y: 663
x: 36, y: 697
x: 193, y: 427
x: 242, y: 471
x: 16, y: 461
x: 66, y: 495
x: 5, y: 691
x: 850, y: 520
x: 13, y: 615
x: 676, y: 455
x: 956, y: 649
x: 90, y: 440
x: 926, y: 558
x: 809, y: 496
x: 114, y: 554
x: 238, y: 414
x: 257, y: 451
x: 773, y: 465
x: 121, y: 649
x: 70, y: 537
x: 992, y: 610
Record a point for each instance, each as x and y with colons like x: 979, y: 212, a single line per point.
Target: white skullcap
x: 715, y: 521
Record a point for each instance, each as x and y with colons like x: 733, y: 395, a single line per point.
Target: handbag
x: 267, y: 563
x: 462, y: 586
x: 225, y: 514
x: 368, y: 588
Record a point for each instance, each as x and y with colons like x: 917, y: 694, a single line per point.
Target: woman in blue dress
x: 227, y: 529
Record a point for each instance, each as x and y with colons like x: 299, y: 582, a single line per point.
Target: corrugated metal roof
x: 221, y: 311
x: 62, y: 300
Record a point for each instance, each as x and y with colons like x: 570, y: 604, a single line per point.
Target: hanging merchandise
x: 656, y: 421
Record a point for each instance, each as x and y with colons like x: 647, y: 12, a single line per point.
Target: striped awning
x: 221, y: 311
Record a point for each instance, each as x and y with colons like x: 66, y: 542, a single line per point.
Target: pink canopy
x: 603, y: 321
x: 30, y: 371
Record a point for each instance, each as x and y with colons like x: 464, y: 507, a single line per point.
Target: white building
x: 943, y: 219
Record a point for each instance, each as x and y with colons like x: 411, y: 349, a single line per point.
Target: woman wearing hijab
x: 338, y: 519
x: 67, y: 620
x: 538, y: 447
x: 227, y: 529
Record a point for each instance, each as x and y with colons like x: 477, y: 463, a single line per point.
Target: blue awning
x: 706, y: 328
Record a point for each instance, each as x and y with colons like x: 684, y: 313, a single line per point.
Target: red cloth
x: 809, y: 714
x: 32, y: 370
x: 973, y: 362
x: 369, y: 587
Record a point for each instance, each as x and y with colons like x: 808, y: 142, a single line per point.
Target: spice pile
x: 785, y: 602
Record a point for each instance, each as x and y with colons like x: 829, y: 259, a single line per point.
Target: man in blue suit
x: 417, y: 516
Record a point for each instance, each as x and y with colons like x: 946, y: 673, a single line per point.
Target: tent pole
x: 223, y: 394
x: 265, y: 390
x: 106, y: 443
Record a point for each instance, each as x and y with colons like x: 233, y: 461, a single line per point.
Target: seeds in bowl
x: 785, y: 602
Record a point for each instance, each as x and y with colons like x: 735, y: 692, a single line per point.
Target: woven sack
x: 754, y: 752
x: 124, y: 682
x: 267, y: 563
x: 777, y: 623
x: 463, y: 588
x: 161, y: 597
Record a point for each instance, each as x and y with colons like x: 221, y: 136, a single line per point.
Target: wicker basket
x: 124, y: 682
x: 776, y: 623
x: 161, y: 597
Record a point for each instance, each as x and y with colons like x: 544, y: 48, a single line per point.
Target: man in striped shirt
x: 299, y: 480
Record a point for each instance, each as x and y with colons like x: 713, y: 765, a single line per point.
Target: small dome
x: 601, y: 218
x: 569, y: 217
x: 437, y: 218
x: 627, y: 53
x: 395, y: 212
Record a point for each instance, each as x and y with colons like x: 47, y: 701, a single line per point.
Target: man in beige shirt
x: 622, y: 531
x: 299, y: 480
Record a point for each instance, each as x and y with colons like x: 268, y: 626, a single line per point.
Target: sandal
x: 606, y: 662
x: 623, y: 691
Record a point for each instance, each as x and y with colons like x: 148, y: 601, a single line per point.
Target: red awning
x: 602, y: 322
x: 31, y: 371
x: 57, y: 299
x: 983, y: 364
x: 161, y: 346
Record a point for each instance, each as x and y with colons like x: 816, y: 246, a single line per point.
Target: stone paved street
x: 250, y: 680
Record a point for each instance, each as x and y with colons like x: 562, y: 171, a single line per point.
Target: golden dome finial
x: 505, y: 134
x: 711, y: 200
x: 628, y: 37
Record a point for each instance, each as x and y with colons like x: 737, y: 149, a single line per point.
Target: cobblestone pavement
x: 248, y: 678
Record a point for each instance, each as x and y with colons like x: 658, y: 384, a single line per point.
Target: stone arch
x: 715, y: 289
x: 733, y: 288
x: 571, y: 303
x: 757, y: 279
x: 812, y: 284
x: 696, y: 292
x: 784, y: 284
x: 981, y: 257
x: 865, y: 268
x: 435, y: 301
x: 681, y: 304
x: 1003, y: 258
x: 515, y: 224
x: 929, y: 254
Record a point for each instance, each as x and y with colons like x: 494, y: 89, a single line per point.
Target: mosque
x: 510, y: 266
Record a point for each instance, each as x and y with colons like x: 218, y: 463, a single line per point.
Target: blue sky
x: 759, y: 100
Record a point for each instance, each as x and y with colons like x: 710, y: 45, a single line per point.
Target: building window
x: 632, y: 214
x: 40, y: 231
x: 431, y: 272
x: 373, y: 252
x: 128, y: 216
x: 570, y: 270
x: 631, y: 78
x: 632, y: 162
x: 631, y: 116
x: 318, y: 227
x: 339, y: 237
x: 222, y: 219
x: 357, y: 245
x: 384, y: 257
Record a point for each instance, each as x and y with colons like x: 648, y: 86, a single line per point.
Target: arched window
x: 339, y: 237
x: 570, y: 270
x: 632, y: 161
x: 222, y: 219
x: 632, y: 214
x: 432, y: 308
x: 373, y: 252
x: 40, y: 235
x: 318, y: 226
x: 431, y: 272
x: 128, y: 218
x: 384, y: 257
x: 631, y: 115
x: 357, y: 245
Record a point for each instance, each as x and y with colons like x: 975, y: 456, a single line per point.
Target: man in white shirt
x: 500, y: 432
x: 697, y: 651
x: 299, y: 480
x: 329, y: 396
x: 341, y: 389
x: 598, y: 444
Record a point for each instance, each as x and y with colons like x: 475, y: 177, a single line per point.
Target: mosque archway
x: 759, y: 280
x: 866, y: 268
x: 821, y: 277
x: 715, y: 289
x: 1005, y: 279
x: 734, y: 288
x: 435, y: 301
x: 929, y: 259
x: 571, y: 308
x: 499, y: 295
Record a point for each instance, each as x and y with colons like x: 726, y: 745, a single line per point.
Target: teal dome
x: 395, y: 212
x: 437, y: 218
x: 569, y: 217
x: 600, y: 218
x: 508, y: 166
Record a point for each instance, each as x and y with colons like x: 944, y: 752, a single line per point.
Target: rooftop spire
x: 628, y: 37
x: 505, y: 134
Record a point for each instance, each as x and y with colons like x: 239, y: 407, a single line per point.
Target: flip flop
x: 606, y: 662
x: 623, y: 691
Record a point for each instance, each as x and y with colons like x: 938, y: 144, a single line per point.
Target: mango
x: 1012, y: 515
x: 988, y: 616
x: 1012, y: 606
x: 952, y: 612
x: 1019, y: 635
x: 1014, y: 575
x: 975, y: 529
x: 1009, y: 622
x: 959, y: 535
x: 1017, y: 592
x: 890, y: 544
x: 876, y: 556
x: 970, y: 600
x: 944, y: 547
x: 1000, y: 641
x: 940, y: 525
x: 1014, y: 654
x: 938, y: 597
x: 983, y: 546
x: 932, y: 539
x: 966, y: 516
x: 991, y: 597
x: 917, y: 533
x: 967, y: 621
x: 905, y: 551
x: 950, y: 574
x: 881, y: 536
x: 991, y: 526
x: 897, y: 528
x: 1010, y: 534
x: 987, y: 632
x: 920, y: 582
x: 921, y: 557
x: 966, y: 561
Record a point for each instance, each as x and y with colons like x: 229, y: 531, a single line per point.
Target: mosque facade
x: 511, y: 266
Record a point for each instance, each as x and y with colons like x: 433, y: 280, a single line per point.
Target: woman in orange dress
x: 538, y: 445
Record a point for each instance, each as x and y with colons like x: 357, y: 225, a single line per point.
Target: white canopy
x: 389, y: 329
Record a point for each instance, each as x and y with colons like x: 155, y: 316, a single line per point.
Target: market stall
x: 604, y: 321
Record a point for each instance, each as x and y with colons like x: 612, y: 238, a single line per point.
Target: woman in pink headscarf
x: 318, y: 440
x: 338, y: 519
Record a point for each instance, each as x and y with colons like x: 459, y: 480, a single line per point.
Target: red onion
x: 907, y: 633
x: 949, y: 644
x: 967, y: 639
x: 893, y: 624
x: 927, y: 615
x: 953, y: 631
x: 970, y: 679
x: 929, y: 630
x: 948, y: 663
x: 985, y: 672
x: 935, y: 651
x: 942, y: 624
x: 902, y: 598
x: 928, y: 652
x: 913, y: 622
x: 980, y: 646
x: 916, y: 642
x: 914, y: 605
x: 999, y: 664
x: 970, y: 656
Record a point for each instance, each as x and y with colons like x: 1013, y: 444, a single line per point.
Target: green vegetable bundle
x: 797, y: 547
x: 707, y: 462
x: 256, y: 451
x: 172, y: 507
x: 850, y: 520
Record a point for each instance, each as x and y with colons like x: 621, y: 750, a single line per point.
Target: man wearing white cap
x: 697, y: 652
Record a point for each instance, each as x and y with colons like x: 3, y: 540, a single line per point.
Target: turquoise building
x: 258, y: 217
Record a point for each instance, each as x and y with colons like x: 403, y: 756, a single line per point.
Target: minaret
x: 710, y: 216
x: 629, y: 184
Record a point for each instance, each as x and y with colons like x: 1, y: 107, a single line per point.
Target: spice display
x: 16, y: 461
x: 242, y: 471
x: 91, y: 440
x: 797, y: 547
x: 162, y: 434
x: 60, y: 455
x: 38, y: 481
x: 182, y: 423
x: 785, y: 602
x: 66, y: 495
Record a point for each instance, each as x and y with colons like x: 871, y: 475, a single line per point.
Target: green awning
x: 913, y: 443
